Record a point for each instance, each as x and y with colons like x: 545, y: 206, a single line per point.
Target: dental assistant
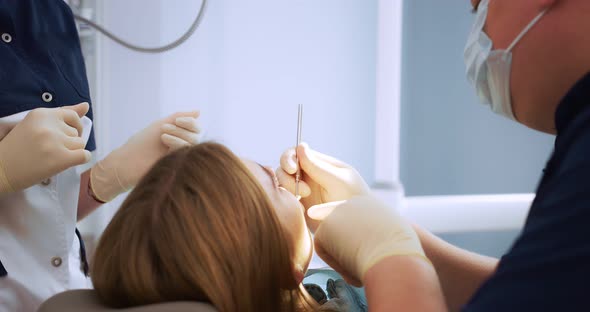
x: 42, y: 193
x: 530, y: 62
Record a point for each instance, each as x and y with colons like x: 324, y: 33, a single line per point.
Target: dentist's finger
x: 80, y: 109
x: 193, y: 114
x: 69, y: 130
x: 181, y: 133
x: 289, y: 158
x: 288, y: 161
x: 77, y: 157
x: 6, y: 127
x: 171, y: 119
x: 323, y: 157
x: 316, y: 168
x: 188, y: 123
x: 173, y: 142
x: 71, y: 118
x: 73, y: 143
x: 288, y: 182
x: 322, y: 211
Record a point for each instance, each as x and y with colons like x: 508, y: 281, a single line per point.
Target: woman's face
x: 289, y: 210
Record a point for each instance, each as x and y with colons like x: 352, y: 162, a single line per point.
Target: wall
x: 246, y: 68
x: 131, y: 90
x: 252, y: 62
x: 450, y: 143
x: 489, y: 243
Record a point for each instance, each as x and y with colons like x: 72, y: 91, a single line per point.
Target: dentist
x: 42, y: 193
x: 530, y: 62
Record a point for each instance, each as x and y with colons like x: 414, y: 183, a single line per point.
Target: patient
x: 203, y: 225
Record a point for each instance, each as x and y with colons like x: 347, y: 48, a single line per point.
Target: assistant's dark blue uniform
x: 41, y: 63
x: 548, y: 267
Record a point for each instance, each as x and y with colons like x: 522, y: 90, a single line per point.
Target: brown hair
x: 198, y: 227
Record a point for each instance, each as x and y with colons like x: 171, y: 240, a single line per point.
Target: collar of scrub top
x: 574, y: 102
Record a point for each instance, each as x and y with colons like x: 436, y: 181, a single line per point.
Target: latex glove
x: 121, y: 169
x: 355, y: 235
x: 324, y: 178
x: 46, y: 142
x: 6, y: 127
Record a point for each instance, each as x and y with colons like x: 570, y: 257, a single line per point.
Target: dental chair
x: 87, y: 301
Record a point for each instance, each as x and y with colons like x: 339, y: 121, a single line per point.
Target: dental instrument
x: 157, y: 49
x: 298, y: 173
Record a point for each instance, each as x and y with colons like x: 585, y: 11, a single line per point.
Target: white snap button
x: 6, y: 38
x: 46, y: 182
x: 56, y: 261
x: 47, y: 97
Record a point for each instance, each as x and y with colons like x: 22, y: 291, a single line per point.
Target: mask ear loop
x: 526, y: 30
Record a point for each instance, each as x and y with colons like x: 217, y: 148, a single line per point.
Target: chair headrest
x: 87, y: 300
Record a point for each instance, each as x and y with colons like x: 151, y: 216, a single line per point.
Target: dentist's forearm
x: 403, y: 283
x: 86, y: 202
x: 460, y: 272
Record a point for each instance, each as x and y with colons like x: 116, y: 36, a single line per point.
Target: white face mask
x: 487, y: 70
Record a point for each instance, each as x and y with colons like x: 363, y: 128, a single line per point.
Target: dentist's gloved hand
x: 324, y: 178
x: 123, y: 168
x: 46, y: 142
x: 356, y: 234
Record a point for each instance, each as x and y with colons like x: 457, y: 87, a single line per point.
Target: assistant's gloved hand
x: 46, y: 142
x: 356, y: 234
x: 324, y: 178
x: 122, y: 168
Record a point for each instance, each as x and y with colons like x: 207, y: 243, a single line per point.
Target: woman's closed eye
x: 272, y: 176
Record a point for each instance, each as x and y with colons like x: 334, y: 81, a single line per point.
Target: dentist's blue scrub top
x: 41, y: 62
x: 548, y: 267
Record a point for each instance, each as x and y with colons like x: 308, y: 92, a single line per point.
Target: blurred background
x: 251, y: 62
